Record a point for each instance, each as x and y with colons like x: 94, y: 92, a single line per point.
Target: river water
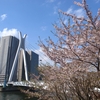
x: 14, y: 96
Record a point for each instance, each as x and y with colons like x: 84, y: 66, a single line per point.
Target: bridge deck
x: 28, y: 84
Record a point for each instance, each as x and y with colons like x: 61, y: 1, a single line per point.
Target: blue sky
x: 35, y: 17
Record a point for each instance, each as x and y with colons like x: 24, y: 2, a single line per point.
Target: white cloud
x: 3, y: 17
x: 59, y: 3
x: 65, y: 21
x: 43, y: 58
x: 55, y: 10
x: 78, y: 12
x: 56, y: 6
x: 97, y: 1
x: 9, y: 32
x: 50, y: 1
x: 69, y: 10
x: 43, y: 28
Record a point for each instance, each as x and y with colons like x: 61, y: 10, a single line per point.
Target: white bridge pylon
x: 20, y: 46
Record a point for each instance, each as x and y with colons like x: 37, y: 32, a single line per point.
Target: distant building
x: 32, y: 65
x: 8, y: 47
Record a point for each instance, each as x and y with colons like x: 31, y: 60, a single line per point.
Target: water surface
x: 14, y: 96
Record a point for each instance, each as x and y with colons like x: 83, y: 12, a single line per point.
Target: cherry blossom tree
x: 58, y: 84
x: 76, y: 51
x: 78, y: 42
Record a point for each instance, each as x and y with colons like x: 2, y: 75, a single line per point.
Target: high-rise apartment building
x: 8, y: 50
x: 32, y: 65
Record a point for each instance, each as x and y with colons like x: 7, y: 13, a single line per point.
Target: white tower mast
x: 20, y: 46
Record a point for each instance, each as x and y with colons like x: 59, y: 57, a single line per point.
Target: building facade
x: 8, y: 49
x: 32, y: 65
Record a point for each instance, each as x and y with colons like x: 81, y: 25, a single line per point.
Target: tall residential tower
x: 8, y: 47
x: 26, y: 61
